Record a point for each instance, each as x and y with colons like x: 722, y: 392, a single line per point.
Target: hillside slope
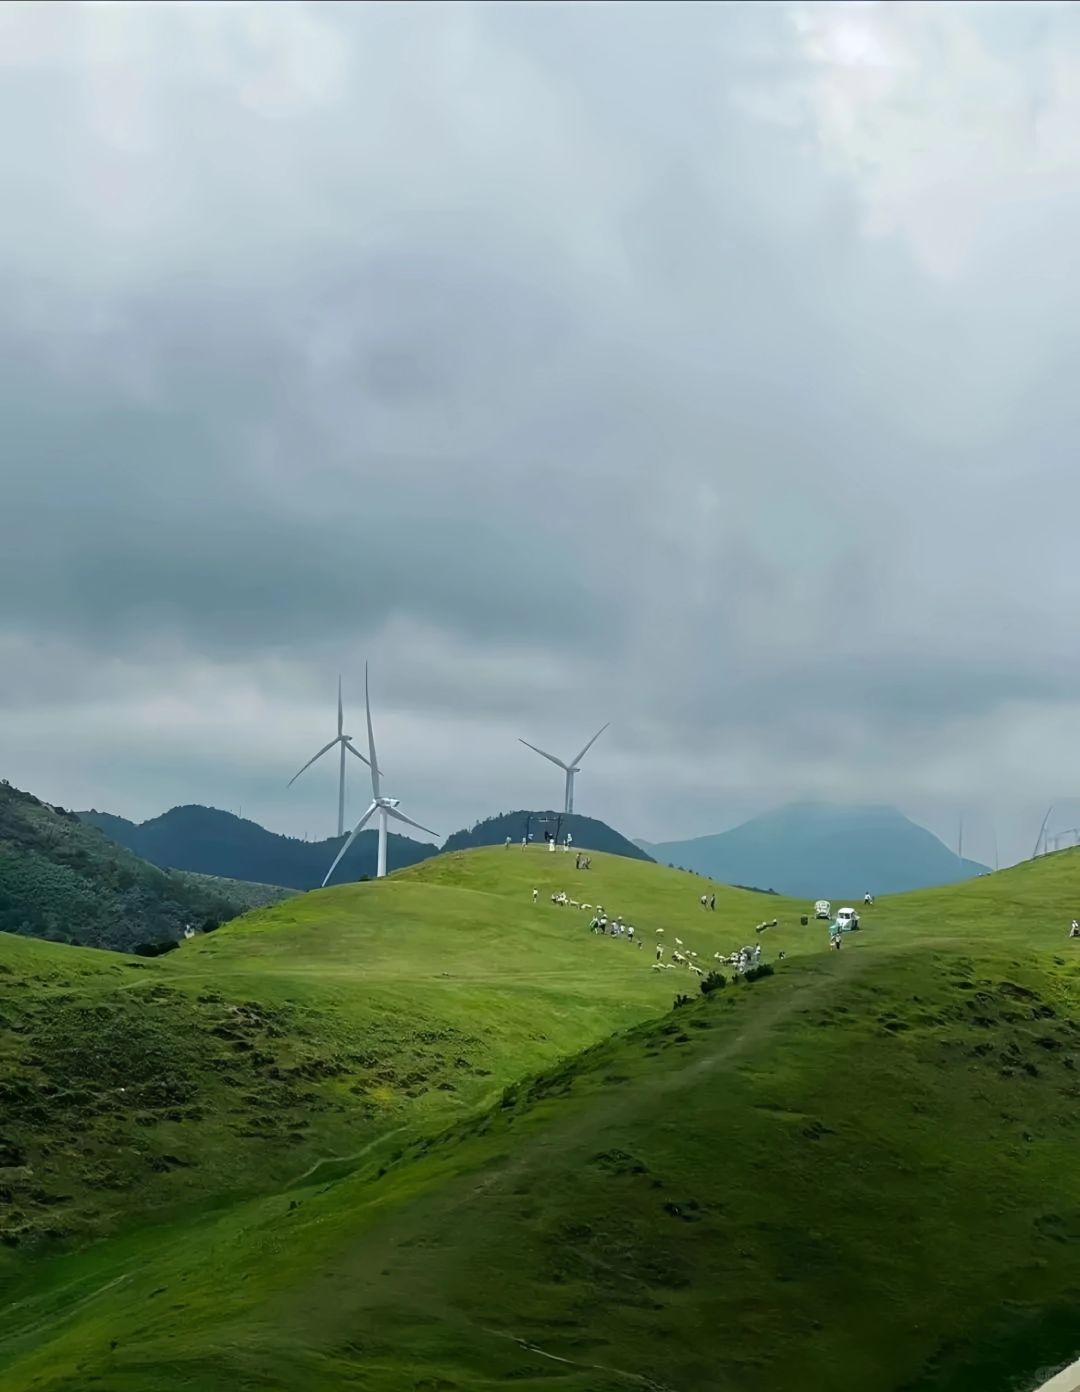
x: 211, y: 842
x: 857, y: 1173
x: 815, y: 850
x: 313, y: 1028
x: 65, y: 881
x: 587, y: 833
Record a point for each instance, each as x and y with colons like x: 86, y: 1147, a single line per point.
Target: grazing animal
x: 695, y: 969
x: 678, y: 942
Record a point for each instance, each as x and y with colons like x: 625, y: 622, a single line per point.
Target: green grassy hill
x: 384, y: 1137
x: 65, y: 881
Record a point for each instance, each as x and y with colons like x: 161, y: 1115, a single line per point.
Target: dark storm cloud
x: 709, y: 368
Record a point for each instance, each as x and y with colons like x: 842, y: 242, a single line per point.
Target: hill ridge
x: 67, y: 881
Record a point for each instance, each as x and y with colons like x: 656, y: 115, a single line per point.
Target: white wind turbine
x: 384, y: 806
x: 346, y: 743
x: 569, y: 769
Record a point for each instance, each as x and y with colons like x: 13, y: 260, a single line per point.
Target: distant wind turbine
x: 346, y: 744
x: 384, y: 806
x: 569, y: 769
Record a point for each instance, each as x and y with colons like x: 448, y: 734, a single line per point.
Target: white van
x: 823, y: 909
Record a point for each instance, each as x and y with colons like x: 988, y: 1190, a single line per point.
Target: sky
x: 708, y: 370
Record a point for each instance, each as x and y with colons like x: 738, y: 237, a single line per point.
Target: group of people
x: 614, y: 927
x: 708, y: 901
x: 549, y: 837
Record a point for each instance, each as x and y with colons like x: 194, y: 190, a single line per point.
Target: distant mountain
x: 818, y: 850
x: 586, y: 832
x: 63, y: 880
x: 212, y: 842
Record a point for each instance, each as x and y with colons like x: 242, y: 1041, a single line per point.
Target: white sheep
x: 695, y: 969
x: 678, y: 942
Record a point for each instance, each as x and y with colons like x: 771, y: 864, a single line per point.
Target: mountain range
x: 819, y: 850
x: 213, y: 842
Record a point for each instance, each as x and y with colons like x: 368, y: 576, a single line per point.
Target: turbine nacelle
x: 387, y: 802
x: 570, y: 769
x: 347, y: 747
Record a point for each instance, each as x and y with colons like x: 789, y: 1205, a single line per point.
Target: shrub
x: 714, y: 981
x: 158, y: 949
x: 680, y: 1001
x: 211, y: 925
x: 756, y: 973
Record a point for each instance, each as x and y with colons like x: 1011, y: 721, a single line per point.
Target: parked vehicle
x: 823, y: 909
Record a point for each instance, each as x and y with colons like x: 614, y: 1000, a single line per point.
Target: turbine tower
x: 346, y: 743
x: 384, y: 806
x: 569, y: 769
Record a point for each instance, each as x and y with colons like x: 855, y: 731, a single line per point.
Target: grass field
x: 425, y: 1133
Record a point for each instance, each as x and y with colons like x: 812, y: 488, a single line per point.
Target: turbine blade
x: 590, y: 744
x: 542, y: 752
x: 401, y: 817
x: 309, y: 763
x: 340, y: 712
x: 373, y: 762
x: 357, y: 829
x: 352, y: 750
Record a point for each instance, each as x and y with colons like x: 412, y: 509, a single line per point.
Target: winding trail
x: 640, y: 1379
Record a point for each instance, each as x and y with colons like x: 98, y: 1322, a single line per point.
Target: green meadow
x: 425, y: 1133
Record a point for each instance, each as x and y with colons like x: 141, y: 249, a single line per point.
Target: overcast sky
x: 711, y: 370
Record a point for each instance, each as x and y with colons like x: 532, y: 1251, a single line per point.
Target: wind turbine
x: 384, y: 806
x: 569, y: 769
x: 345, y: 741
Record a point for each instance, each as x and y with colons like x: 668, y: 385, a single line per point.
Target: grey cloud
x: 562, y: 359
